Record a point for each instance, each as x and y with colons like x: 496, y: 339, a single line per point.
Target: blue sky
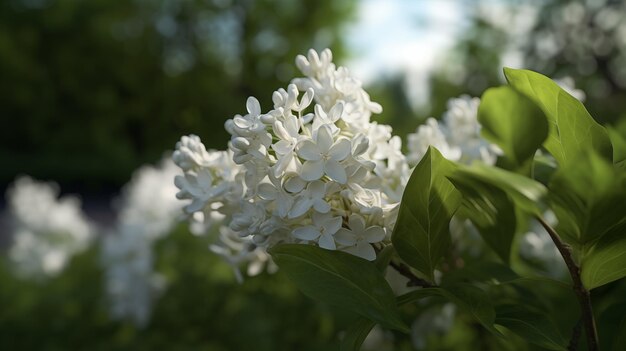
x: 403, y: 35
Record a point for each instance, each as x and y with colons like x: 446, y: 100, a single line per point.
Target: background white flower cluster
x: 147, y: 211
x: 48, y: 230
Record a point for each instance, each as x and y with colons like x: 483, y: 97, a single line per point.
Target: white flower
x: 359, y: 237
x: 312, y: 197
x: 190, y: 152
x: 322, y: 155
x: 148, y: 209
x: 48, y: 230
x: 430, y: 134
x: 299, y: 174
x: 457, y: 136
x: 323, y: 229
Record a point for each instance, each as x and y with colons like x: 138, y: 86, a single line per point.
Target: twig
x: 576, y: 333
x: 413, y: 279
x: 584, y: 298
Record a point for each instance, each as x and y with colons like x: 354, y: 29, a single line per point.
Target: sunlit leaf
x: 422, y: 235
x: 572, y: 129
x: 513, y: 122
x: 525, y: 192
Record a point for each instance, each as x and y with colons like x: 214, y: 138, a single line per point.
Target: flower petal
x: 332, y: 225
x: 335, y: 171
x: 316, y: 189
x: 294, y: 184
x: 340, y: 150
x: 327, y: 242
x: 281, y: 131
x: 321, y: 206
x: 283, y: 147
x: 309, y: 151
x: 312, y: 170
x: 345, y: 237
x: 284, y: 203
x: 357, y: 223
x: 324, y: 139
x: 306, y: 233
x: 301, y: 205
x: 374, y: 234
x: 253, y: 106
x: 267, y: 191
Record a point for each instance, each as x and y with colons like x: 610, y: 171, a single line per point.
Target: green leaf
x: 531, y: 324
x: 422, y: 235
x: 514, y: 123
x: 384, y: 257
x: 491, y: 210
x: 525, y: 192
x: 606, y: 262
x: 340, y: 279
x: 356, y: 334
x: 572, y: 129
x: 587, y: 197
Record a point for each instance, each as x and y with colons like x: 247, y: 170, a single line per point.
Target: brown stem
x: 413, y: 279
x: 584, y: 298
x: 576, y: 333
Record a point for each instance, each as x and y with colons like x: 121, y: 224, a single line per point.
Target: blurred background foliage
x: 90, y: 90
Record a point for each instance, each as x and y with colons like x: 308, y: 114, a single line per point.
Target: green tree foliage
x: 92, y: 89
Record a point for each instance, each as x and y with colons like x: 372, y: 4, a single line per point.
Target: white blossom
x: 456, y: 136
x: 148, y: 210
x: 48, y: 229
x: 303, y: 168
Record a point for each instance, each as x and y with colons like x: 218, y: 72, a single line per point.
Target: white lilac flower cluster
x: 313, y: 169
x: 48, y: 230
x: 457, y: 136
x: 148, y: 210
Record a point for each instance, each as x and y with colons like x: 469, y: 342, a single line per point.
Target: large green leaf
x: 588, y: 196
x: 491, y: 210
x: 422, y: 235
x: 606, y: 261
x: 572, y: 129
x: 532, y: 324
x: 514, y: 123
x: 525, y: 192
x: 340, y: 279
